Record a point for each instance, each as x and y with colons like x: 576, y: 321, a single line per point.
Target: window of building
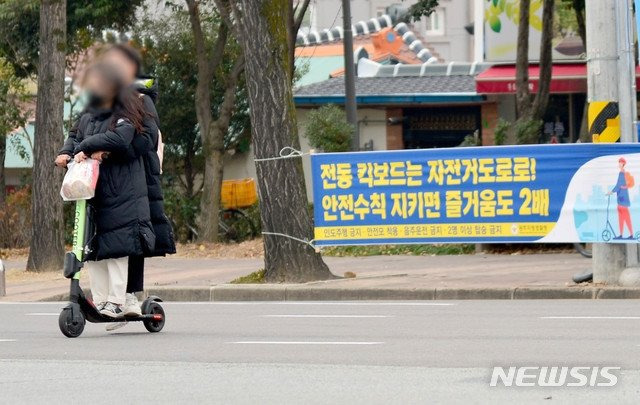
x: 435, y: 23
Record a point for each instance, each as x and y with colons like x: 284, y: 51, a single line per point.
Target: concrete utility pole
x: 609, y: 80
x: 349, y: 74
x: 627, y: 91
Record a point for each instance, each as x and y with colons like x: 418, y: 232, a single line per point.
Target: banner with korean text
x: 529, y: 193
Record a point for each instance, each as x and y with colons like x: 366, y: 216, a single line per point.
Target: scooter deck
x: 92, y: 315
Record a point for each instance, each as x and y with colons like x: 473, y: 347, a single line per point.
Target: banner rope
x: 285, y: 153
x: 305, y: 241
x: 289, y: 152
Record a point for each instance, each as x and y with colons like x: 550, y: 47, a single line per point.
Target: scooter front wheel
x: 68, y: 326
x: 606, y: 235
x: 156, y: 323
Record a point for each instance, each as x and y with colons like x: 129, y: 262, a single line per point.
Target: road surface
x: 322, y: 352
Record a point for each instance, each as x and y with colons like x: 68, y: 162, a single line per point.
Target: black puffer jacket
x: 147, y: 148
x: 122, y: 217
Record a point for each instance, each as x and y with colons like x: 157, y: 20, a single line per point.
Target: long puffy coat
x: 121, y: 204
x: 147, y: 148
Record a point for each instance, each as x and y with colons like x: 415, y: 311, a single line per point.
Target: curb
x: 305, y: 292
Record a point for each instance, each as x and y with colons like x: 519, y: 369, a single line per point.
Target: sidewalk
x: 482, y: 276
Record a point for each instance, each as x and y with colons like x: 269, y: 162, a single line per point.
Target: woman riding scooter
x: 111, y: 123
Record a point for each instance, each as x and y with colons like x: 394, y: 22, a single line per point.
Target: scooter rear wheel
x: 156, y: 324
x: 68, y: 326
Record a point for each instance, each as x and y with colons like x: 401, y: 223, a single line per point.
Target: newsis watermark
x: 556, y: 376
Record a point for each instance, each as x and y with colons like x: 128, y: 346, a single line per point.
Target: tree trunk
x: 211, y: 190
x: 47, y: 243
x: 523, y: 96
x: 529, y: 109
x: 212, y: 132
x: 578, y: 8
x: 189, y: 176
x: 208, y: 217
x: 262, y: 30
x: 583, y: 136
x: 546, y: 61
x: 213, y: 148
x: 295, y: 21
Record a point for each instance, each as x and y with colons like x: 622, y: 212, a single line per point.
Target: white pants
x: 108, y: 280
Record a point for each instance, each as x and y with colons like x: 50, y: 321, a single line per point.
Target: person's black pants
x: 135, y: 278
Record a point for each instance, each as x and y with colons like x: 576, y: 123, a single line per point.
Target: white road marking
x: 258, y: 342
x: 8, y: 340
x: 43, y: 314
x: 590, y: 317
x: 326, y: 316
x: 387, y: 303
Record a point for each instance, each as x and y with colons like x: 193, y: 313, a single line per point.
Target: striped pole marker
x: 604, y: 121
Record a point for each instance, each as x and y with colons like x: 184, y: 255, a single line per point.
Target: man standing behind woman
x: 129, y: 62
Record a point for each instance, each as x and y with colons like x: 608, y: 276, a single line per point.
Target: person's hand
x: 610, y: 192
x: 79, y: 157
x: 61, y: 160
x: 99, y: 155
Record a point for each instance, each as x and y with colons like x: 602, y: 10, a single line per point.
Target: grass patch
x: 388, y: 250
x: 257, y: 277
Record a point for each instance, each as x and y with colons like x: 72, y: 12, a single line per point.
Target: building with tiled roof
x: 320, y: 55
x: 447, y: 31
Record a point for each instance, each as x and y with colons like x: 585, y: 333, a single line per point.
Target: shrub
x: 527, y: 131
x: 501, y: 131
x: 15, y: 219
x: 472, y: 140
x: 328, y: 130
x: 182, y: 211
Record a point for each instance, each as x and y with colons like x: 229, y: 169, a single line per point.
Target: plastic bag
x: 80, y: 181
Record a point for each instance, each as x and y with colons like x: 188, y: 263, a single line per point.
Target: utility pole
x: 607, y: 77
x: 627, y: 89
x: 626, y: 69
x: 349, y: 74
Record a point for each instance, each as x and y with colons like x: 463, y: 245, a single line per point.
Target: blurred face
x: 621, y: 165
x: 99, y: 91
x: 125, y: 66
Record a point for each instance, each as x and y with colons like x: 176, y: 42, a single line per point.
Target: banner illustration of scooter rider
x: 621, y: 189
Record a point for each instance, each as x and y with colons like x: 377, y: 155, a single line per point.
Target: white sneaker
x: 111, y: 310
x: 111, y: 326
x: 132, y: 306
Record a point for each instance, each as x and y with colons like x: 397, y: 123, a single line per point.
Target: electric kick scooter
x: 80, y: 309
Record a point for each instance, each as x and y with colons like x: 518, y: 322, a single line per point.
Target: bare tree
x: 523, y: 97
x: 263, y: 29
x: 47, y: 245
x: 296, y: 16
x: 578, y: 9
x: 212, y: 130
x: 533, y: 108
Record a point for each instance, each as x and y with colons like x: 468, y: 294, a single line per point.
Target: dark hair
x: 131, y: 53
x: 127, y: 103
